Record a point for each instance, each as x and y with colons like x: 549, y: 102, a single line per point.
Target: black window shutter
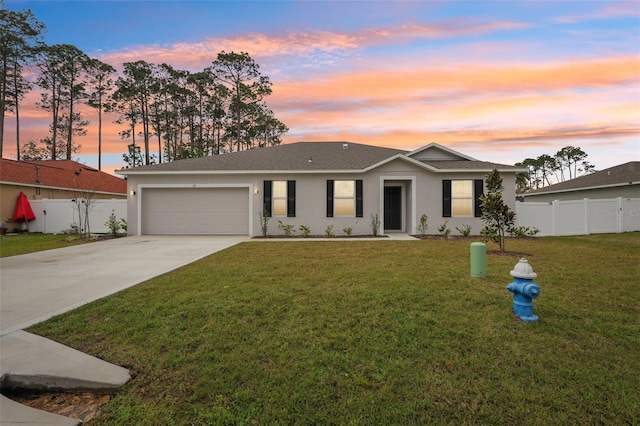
x: 266, y: 197
x: 478, y: 191
x: 446, y: 198
x: 291, y: 198
x: 329, y: 198
x: 359, y: 204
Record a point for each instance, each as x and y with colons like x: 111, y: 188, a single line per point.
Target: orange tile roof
x: 62, y: 174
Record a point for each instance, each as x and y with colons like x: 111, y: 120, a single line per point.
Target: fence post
x: 586, y: 216
x: 619, y: 215
x: 44, y: 215
x: 555, y: 206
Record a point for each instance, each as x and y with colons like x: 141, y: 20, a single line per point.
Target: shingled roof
x: 468, y: 165
x: 297, y: 156
x: 60, y: 174
x: 621, y: 175
x: 303, y: 157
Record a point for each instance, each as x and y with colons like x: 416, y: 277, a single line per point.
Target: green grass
x: 374, y: 332
x: 13, y: 245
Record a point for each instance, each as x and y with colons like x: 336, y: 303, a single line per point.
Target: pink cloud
x: 312, y: 44
x: 446, y: 29
x: 619, y: 10
x: 382, y: 82
x: 195, y: 56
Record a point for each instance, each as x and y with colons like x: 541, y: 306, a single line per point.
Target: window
x: 344, y: 198
x: 462, y: 198
x: 279, y: 198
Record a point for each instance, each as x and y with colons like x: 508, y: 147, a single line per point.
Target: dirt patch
x: 82, y: 406
x: 517, y: 254
x: 443, y: 238
x: 92, y: 238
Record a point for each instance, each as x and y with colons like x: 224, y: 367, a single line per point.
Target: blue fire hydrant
x: 524, y: 291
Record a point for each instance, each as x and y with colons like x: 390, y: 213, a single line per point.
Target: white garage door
x: 195, y: 211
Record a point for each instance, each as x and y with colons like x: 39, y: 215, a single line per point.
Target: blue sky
x: 500, y: 81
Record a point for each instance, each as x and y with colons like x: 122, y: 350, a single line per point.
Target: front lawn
x: 373, y: 333
x: 13, y: 245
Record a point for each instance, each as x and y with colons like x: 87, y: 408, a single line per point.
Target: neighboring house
x: 316, y: 184
x: 60, y: 179
x: 618, y: 181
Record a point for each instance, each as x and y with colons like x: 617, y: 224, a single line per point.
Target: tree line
x: 166, y: 113
x: 568, y: 163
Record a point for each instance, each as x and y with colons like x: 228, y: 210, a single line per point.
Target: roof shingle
x: 61, y: 174
x: 467, y: 165
x: 290, y: 157
x: 303, y: 157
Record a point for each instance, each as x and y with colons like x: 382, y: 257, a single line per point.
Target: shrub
x: 114, y: 224
x: 328, y: 231
x: 465, y: 231
x: 444, y: 229
x: 524, y: 231
x: 264, y: 222
x: 375, y: 224
x: 287, y: 229
x: 347, y: 231
x: 305, y: 230
x: 422, y: 227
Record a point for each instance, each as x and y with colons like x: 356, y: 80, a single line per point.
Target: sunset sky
x: 497, y: 80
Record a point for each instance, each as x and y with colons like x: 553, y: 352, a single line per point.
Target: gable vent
x: 345, y: 146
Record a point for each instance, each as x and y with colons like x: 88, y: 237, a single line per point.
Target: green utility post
x: 478, y: 260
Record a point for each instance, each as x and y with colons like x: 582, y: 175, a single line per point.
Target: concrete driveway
x: 37, y: 286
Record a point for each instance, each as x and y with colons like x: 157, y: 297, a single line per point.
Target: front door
x: 393, y: 208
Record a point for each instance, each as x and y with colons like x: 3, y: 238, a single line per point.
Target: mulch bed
x: 261, y: 237
x: 82, y: 406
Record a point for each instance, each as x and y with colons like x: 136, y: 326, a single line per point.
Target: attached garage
x: 195, y: 211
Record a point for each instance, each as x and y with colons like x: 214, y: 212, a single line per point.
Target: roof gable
x: 60, y: 174
x: 437, y: 152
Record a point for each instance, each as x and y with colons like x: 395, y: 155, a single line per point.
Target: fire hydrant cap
x: 523, y: 270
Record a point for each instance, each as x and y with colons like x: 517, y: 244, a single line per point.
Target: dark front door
x: 392, y: 208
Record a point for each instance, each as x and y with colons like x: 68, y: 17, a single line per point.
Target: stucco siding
x: 421, y: 194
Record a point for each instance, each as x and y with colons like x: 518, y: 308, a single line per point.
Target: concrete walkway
x: 37, y: 286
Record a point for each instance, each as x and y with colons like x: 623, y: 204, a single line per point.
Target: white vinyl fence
x: 53, y: 216
x: 580, y: 217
